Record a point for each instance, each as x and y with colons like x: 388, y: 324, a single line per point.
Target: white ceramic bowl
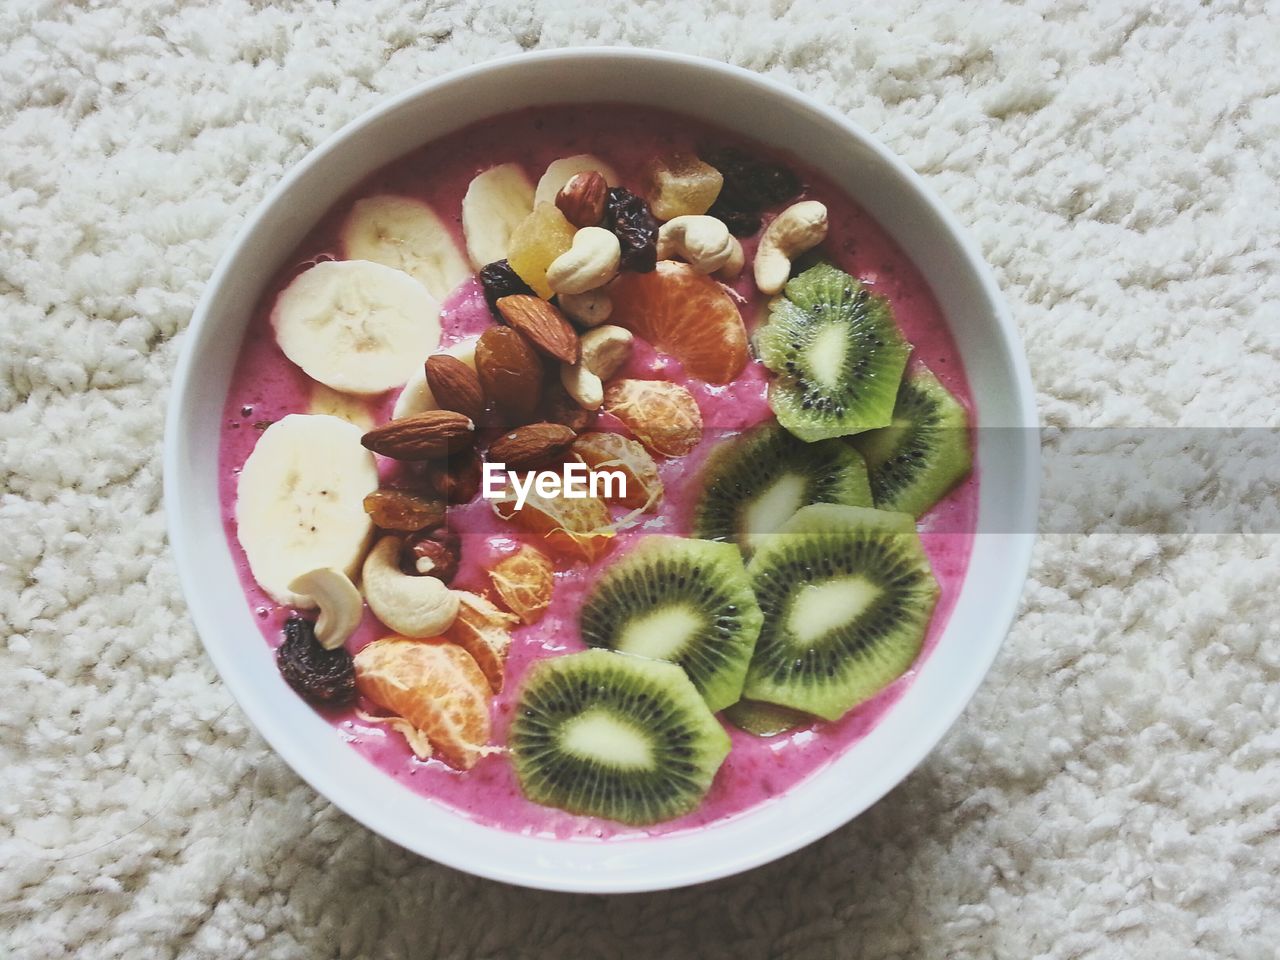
x: 731, y: 98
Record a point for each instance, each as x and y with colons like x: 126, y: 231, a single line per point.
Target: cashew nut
x: 592, y: 261
x: 703, y: 242
x: 583, y: 385
x: 411, y: 606
x: 339, y: 601
x: 588, y: 309
x: 605, y: 349
x: 800, y: 227
x: 733, y: 266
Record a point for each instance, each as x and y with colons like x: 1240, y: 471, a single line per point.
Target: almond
x: 532, y: 446
x: 543, y: 324
x: 510, y: 373
x: 582, y: 199
x: 423, y: 436
x: 455, y: 386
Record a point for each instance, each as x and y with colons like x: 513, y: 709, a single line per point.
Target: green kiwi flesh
x: 765, y: 719
x: 609, y: 735
x: 683, y: 600
x: 838, y: 354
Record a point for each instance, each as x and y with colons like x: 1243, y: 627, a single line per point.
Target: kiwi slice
x: 838, y: 354
x: 845, y: 609
x: 608, y: 735
x: 765, y: 719
x: 752, y: 484
x: 687, y: 601
x: 924, y: 452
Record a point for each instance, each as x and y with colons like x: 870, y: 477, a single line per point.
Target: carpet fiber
x: 1114, y: 789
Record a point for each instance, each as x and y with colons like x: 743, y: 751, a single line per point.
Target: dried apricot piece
x: 681, y: 185
x: 524, y: 582
x: 663, y: 416
x: 437, y: 688
x: 578, y: 526
x: 483, y: 631
x: 537, y: 240
x: 613, y: 451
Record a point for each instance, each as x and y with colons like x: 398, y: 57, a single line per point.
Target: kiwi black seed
x: 923, y: 453
x: 837, y: 352
x: 752, y: 484
x: 683, y: 600
x: 610, y: 735
x: 846, y: 606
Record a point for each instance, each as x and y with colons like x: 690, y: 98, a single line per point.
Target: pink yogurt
x: 266, y: 387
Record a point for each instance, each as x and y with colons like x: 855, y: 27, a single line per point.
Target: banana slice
x: 559, y: 172
x: 300, y: 502
x: 416, y: 396
x: 344, y: 406
x: 356, y: 326
x: 407, y: 234
x: 495, y: 202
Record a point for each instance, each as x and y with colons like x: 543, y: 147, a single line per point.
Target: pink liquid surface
x: 266, y: 387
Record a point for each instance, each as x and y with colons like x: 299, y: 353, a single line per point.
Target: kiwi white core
x: 819, y: 608
x: 824, y: 357
x: 662, y: 634
x: 773, y: 507
x: 598, y: 735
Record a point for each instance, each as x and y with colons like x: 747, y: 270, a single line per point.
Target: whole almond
x: 510, y: 372
x: 423, y: 436
x: 455, y: 385
x: 582, y: 199
x: 543, y: 324
x: 532, y: 446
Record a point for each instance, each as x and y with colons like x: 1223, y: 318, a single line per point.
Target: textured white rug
x: 1114, y: 791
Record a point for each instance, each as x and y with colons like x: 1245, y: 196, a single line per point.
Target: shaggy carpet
x: 1114, y: 789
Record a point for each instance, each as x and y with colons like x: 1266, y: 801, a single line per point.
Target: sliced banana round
x: 495, y: 202
x: 300, y: 503
x: 341, y: 607
x: 560, y: 171
x: 409, y: 235
x: 356, y: 326
x: 416, y: 396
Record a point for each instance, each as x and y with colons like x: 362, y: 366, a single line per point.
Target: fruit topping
x: 559, y: 407
x: 589, y: 263
x: 416, y: 397
x: 455, y: 386
x: 924, y: 451
x: 681, y: 185
x: 765, y: 719
x: 606, y: 349
x: 663, y: 416
x: 683, y: 600
x: 498, y: 280
x: 341, y: 607
x: 510, y: 373
x: 753, y: 483
x: 607, y: 735
x: 403, y: 511
x: 577, y: 526
x: 796, y: 230
x: 532, y: 447
x: 436, y: 688
x: 321, y: 676
x: 686, y: 314
x: 838, y: 354
x: 416, y: 606
x: 542, y: 325
x: 432, y: 553
x: 581, y: 199
x: 423, y: 436
x: 751, y: 186
x: 483, y: 631
x: 560, y: 172
x: 329, y: 402
x: 846, y: 605
x: 356, y: 326
x: 406, y: 234
x: 457, y: 478
x: 496, y: 201
x: 524, y: 581
x: 612, y: 451
x: 628, y: 216
x: 299, y: 502
x: 536, y: 242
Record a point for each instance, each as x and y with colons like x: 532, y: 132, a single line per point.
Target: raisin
x: 628, y: 216
x: 402, y: 510
x: 441, y: 548
x: 321, y: 676
x: 751, y: 185
x: 457, y: 479
x: 499, y: 280
x: 741, y: 223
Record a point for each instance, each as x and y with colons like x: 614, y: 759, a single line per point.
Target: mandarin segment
x: 613, y: 451
x: 524, y: 582
x: 663, y: 416
x: 579, y: 527
x: 536, y: 241
x: 483, y: 631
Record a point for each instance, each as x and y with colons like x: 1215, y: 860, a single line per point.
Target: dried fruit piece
x: 581, y: 200
x: 539, y: 239
x: 433, y: 553
x: 613, y: 451
x: 543, y: 325
x: 686, y: 314
x: 510, y: 373
x: 483, y: 631
x: 403, y: 511
x: 321, y: 676
x: 663, y: 416
x: 524, y: 581
x: 532, y: 446
x: 579, y: 526
x: 628, y: 216
x: 559, y: 407
x: 437, y: 687
x: 499, y: 280
x: 751, y: 185
x: 459, y: 479
x: 455, y: 385
x: 423, y: 436
x: 681, y: 185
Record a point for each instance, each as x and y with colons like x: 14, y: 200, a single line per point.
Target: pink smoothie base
x: 266, y: 387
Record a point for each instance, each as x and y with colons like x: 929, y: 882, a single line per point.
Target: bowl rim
x: 1000, y: 616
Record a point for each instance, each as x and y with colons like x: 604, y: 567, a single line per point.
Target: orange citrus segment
x: 435, y: 686
x: 579, y: 526
x: 524, y: 581
x: 663, y: 416
x: 613, y: 451
x: 686, y: 314
x: 483, y: 631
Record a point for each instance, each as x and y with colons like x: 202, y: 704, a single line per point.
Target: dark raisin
x: 322, y: 676
x: 741, y: 223
x: 751, y: 184
x: 457, y: 479
x: 499, y: 280
x: 442, y: 550
x: 628, y: 216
